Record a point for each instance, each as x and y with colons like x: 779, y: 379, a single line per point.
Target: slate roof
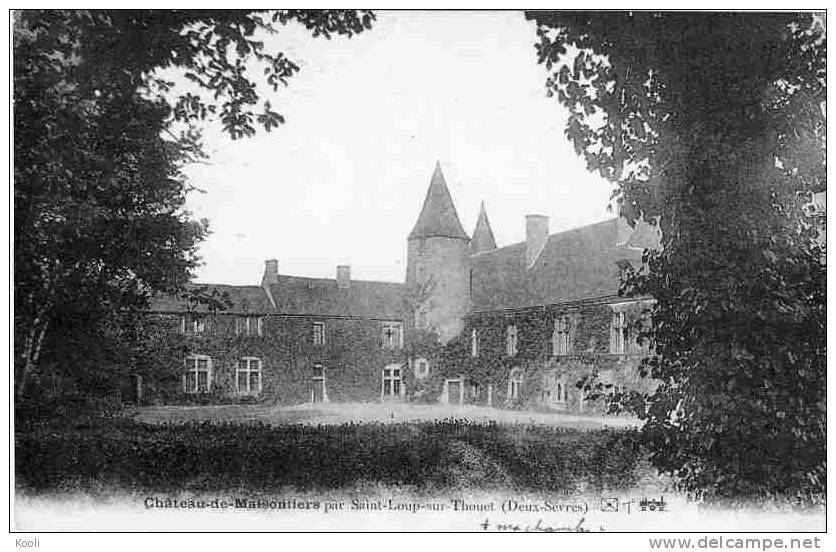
x: 483, y: 238
x: 322, y: 297
x: 573, y: 265
x: 438, y: 216
x: 305, y: 297
x: 244, y: 299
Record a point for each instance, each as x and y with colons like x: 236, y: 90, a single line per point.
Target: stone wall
x: 445, y: 261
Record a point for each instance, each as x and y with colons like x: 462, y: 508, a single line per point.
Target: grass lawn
x: 340, y: 413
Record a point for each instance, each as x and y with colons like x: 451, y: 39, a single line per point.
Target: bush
x: 205, y: 456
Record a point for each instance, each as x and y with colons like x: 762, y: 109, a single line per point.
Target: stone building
x: 518, y: 325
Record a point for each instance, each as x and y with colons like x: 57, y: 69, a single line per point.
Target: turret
x: 437, y: 263
x: 483, y: 239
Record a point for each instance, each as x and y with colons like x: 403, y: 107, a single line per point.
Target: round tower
x: 437, y: 274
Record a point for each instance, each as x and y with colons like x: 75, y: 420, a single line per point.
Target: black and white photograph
x: 419, y: 271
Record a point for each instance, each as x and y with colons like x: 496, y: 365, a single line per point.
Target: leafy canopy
x: 98, y: 184
x: 712, y: 125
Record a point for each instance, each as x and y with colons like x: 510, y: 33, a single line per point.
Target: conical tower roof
x: 438, y: 216
x: 483, y: 239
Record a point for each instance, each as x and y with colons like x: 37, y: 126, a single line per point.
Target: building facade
x: 518, y: 326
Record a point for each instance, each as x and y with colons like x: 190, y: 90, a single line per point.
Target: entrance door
x: 318, y: 390
x: 454, y: 388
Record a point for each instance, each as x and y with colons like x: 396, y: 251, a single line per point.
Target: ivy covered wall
x: 353, y: 359
x: 534, y: 366
x: 351, y: 356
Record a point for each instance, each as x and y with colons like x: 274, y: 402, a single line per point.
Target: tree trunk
x: 34, y: 344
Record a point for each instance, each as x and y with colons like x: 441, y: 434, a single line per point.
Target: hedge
x: 134, y: 456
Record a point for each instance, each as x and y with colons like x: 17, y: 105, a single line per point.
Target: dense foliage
x: 712, y: 125
x: 100, y: 141
x: 120, y: 453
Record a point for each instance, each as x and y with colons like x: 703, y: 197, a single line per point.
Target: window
x: 560, y: 337
x: 392, y: 381
x: 392, y: 335
x: 248, y: 376
x: 248, y: 325
x: 562, y: 391
x: 319, y: 333
x: 514, y: 389
x: 511, y: 340
x: 556, y: 392
x: 514, y: 384
x: 192, y: 323
x: 474, y: 343
x: 198, y: 376
x: 470, y: 283
x: 421, y: 368
x: 618, y: 333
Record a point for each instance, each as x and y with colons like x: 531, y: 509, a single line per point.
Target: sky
x: 343, y: 181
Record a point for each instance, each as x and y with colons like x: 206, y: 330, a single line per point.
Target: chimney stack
x: 343, y: 276
x: 271, y: 272
x: 536, y: 234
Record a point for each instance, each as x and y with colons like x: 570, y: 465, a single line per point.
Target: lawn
x: 340, y: 413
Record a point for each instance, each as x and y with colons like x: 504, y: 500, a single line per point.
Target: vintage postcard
x: 420, y: 271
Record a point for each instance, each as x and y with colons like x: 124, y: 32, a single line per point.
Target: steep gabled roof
x: 577, y: 264
x: 438, y: 216
x: 322, y: 297
x: 483, y: 239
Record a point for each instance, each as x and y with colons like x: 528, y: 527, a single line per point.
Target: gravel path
x: 337, y: 413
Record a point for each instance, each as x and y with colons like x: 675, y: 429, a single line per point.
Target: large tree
x: 100, y: 141
x: 712, y: 125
